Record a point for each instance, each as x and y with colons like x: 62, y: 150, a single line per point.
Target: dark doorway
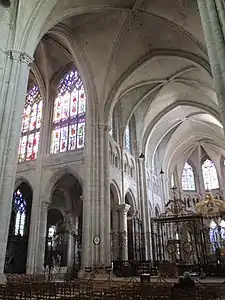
x: 17, y: 246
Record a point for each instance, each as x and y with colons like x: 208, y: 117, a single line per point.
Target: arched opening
x: 135, y: 232
x: 114, y: 223
x: 18, y: 236
x: 64, y: 226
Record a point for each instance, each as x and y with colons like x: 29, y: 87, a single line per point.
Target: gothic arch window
x: 188, y: 179
x: 69, y: 114
x: 209, y: 174
x: 31, y: 125
x: 111, y: 131
x: 127, y: 138
x: 172, y: 182
x: 20, y: 208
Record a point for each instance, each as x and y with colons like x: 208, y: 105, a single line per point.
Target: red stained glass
x: 69, y: 110
x: 31, y: 124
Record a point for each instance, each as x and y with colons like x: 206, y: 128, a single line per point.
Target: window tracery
x: 20, y: 207
x: 31, y: 125
x: 69, y: 114
x: 209, y: 174
x: 188, y: 179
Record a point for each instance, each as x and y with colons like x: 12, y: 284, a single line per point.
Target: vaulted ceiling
x: 148, y: 56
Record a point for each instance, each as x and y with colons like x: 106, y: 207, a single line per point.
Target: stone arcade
x: 104, y: 106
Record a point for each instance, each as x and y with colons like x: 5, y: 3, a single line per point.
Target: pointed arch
x: 130, y: 200
x: 209, y: 174
x: 21, y: 179
x: 115, y: 192
x: 31, y: 125
x: 48, y: 189
x: 188, y: 178
x: 68, y: 126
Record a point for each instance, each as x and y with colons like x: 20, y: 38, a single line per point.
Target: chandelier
x: 210, y: 207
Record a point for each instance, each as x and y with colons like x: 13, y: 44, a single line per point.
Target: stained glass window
x: 31, y: 124
x: 188, y: 179
x: 69, y: 114
x: 20, y: 207
x: 209, y: 174
x: 111, y: 132
x: 127, y: 142
x: 217, y: 235
x: 172, y: 183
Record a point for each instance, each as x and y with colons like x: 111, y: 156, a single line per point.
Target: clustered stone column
x: 42, y: 236
x: 96, y: 201
x: 123, y: 210
x: 12, y: 100
x: 39, y: 195
x: 143, y: 200
x: 212, y: 14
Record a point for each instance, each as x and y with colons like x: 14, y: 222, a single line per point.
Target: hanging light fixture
x: 210, y: 207
x: 161, y: 172
x: 141, y: 156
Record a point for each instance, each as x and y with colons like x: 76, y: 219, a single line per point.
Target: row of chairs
x: 99, y: 290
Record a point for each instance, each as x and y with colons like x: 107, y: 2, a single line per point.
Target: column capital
x: 20, y: 56
x: 123, y: 208
x: 45, y: 204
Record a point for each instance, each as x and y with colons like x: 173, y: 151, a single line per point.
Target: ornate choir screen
x: 133, y: 242
x: 183, y: 240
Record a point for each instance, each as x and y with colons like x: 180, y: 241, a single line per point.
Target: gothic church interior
x: 105, y: 106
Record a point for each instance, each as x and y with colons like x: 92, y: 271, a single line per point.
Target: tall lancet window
x: 188, y: 179
x: 172, y: 182
x: 127, y: 138
x: 31, y: 125
x: 111, y: 131
x: 20, y: 207
x: 209, y: 174
x: 69, y: 114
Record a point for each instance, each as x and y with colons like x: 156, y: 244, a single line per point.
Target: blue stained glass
x: 69, y: 111
x: 217, y: 235
x: 127, y: 138
x: 20, y: 207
